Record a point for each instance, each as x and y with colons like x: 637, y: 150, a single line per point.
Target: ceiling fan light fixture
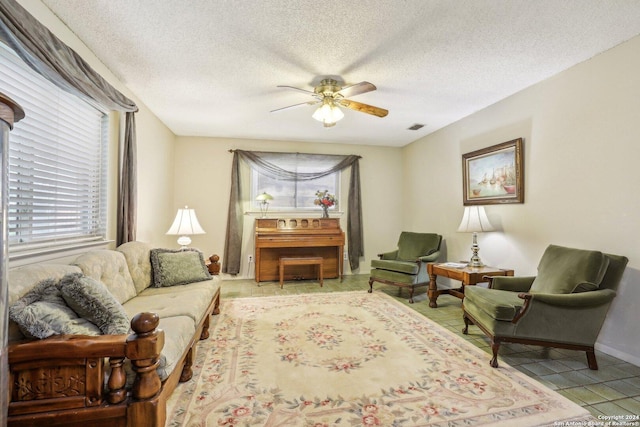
x: 328, y: 113
x: 332, y: 96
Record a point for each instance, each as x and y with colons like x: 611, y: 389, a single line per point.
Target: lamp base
x: 264, y: 207
x: 184, y: 241
x: 475, y: 260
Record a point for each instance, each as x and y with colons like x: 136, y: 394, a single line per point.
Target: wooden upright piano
x: 296, y: 237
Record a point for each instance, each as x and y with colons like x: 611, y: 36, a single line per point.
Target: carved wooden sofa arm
x: 62, y: 378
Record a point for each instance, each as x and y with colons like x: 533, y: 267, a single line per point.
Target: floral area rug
x: 351, y: 359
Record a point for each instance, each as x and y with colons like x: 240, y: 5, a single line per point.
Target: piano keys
x: 297, y: 237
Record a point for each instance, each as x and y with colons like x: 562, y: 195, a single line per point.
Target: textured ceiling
x: 211, y: 67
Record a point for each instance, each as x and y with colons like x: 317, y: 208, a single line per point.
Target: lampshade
x: 473, y: 221
x: 264, y: 203
x: 264, y: 197
x: 185, y: 224
x: 328, y: 113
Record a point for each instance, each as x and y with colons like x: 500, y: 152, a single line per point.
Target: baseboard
x: 630, y: 358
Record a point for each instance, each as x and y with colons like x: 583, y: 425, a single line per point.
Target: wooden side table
x: 466, y: 275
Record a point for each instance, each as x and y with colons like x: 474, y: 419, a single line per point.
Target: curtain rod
x: 232, y: 150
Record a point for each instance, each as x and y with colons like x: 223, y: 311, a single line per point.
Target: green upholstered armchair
x: 406, y: 266
x: 563, y: 306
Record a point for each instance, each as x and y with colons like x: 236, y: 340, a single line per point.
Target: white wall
x: 202, y: 181
x: 581, y: 150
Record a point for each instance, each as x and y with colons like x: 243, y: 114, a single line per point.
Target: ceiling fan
x: 330, y: 95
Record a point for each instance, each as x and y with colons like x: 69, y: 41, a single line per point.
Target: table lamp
x: 474, y: 221
x: 264, y: 203
x: 185, y: 224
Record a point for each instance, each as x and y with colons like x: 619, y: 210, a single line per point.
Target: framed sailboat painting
x: 494, y: 175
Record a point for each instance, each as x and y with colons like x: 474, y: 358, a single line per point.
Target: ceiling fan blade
x: 299, y: 90
x: 363, y: 108
x: 356, y: 89
x: 295, y: 105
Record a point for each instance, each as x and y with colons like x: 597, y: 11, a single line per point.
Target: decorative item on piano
x: 264, y: 203
x: 325, y: 201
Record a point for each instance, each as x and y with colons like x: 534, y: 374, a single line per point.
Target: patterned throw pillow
x: 177, y: 267
x: 42, y: 312
x: 92, y: 300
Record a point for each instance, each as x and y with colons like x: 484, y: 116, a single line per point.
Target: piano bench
x: 309, y: 260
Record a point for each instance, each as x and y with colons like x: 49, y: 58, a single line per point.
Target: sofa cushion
x: 394, y: 276
x: 498, y: 304
x: 110, y: 268
x: 42, y: 312
x: 561, y: 270
x: 407, y: 267
x: 178, y: 332
x: 177, y: 267
x: 190, y: 301
x: 23, y: 279
x: 93, y: 301
x: 138, y: 259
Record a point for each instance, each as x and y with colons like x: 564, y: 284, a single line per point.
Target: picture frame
x: 494, y: 175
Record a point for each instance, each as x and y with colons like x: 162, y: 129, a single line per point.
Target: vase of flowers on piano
x: 325, y: 201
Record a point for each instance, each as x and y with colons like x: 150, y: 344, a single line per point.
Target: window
x: 294, y: 195
x: 57, y: 164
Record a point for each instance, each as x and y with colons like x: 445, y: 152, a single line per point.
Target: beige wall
x: 202, y: 179
x: 156, y: 145
x: 582, y: 145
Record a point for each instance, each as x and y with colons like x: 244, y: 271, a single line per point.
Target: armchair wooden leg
x: 370, y: 286
x: 591, y: 359
x: 467, y: 322
x: 495, y: 346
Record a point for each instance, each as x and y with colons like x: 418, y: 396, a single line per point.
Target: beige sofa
x: 110, y: 380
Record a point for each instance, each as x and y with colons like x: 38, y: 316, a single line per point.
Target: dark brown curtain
x: 233, y: 240
x: 58, y: 63
x: 128, y: 192
x: 355, y: 239
x: 263, y: 162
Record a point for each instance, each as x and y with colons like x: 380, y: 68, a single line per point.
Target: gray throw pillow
x: 42, y: 312
x: 92, y: 300
x: 177, y: 267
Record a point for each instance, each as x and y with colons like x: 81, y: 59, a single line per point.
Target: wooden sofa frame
x: 61, y: 380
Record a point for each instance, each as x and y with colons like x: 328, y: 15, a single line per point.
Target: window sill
x: 294, y: 214
x: 57, y: 254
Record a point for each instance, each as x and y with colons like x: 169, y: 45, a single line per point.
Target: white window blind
x: 57, y: 164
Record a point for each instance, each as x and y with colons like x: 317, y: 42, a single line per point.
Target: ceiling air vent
x: 416, y: 126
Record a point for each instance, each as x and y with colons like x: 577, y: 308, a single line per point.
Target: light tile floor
x: 614, y: 389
